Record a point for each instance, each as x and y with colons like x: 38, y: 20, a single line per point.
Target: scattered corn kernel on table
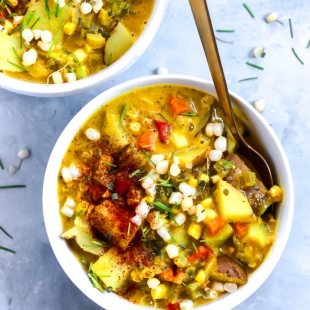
x: 31, y: 278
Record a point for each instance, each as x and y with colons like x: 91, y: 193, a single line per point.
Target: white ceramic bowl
x: 262, y: 130
x: 56, y: 90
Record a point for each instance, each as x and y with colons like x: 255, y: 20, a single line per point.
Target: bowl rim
x: 70, y: 263
x: 105, y: 75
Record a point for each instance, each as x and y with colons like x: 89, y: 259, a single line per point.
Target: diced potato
x: 104, y: 18
x: 117, y: 44
x: 195, y: 230
x: 84, y: 241
x: 159, y: 292
x: 181, y: 236
x: 80, y: 55
x: 7, y: 54
x: 96, y: 40
x: 180, y: 142
x: 194, y: 156
x: 69, y: 28
x: 257, y: 233
x: 207, y: 203
x: 113, y: 269
x: 232, y: 204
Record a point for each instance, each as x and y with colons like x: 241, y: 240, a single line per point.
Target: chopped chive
x: 18, y: 66
x: 148, y: 157
x: 194, y: 246
x: 7, y: 249
x: 217, y: 38
x: 12, y: 186
x: 248, y: 9
x: 57, y: 9
x: 147, y: 176
x: 189, y: 114
x: 291, y: 27
x: 181, y: 180
x: 128, y: 230
x: 80, y: 22
x: 114, y: 196
x: 138, y: 171
x: 225, y: 30
x: 83, y: 260
x: 95, y: 283
x: 109, y: 164
x: 123, y: 112
x: 1, y: 165
x: 55, y: 39
x: 11, y: 15
x: 248, y: 79
x: 172, y: 155
x: 172, y: 237
x: 162, y: 117
x: 110, y: 186
x: 110, y: 60
x: 1, y: 228
x: 162, y: 206
x: 30, y: 18
x: 35, y: 22
x: 255, y: 66
x: 308, y: 44
x: 77, y: 214
x: 14, y: 50
x: 47, y: 8
x: 297, y: 56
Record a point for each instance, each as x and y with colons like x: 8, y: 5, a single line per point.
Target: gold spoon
x: 204, y: 26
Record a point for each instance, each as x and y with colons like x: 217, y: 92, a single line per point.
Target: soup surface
x: 156, y: 204
x: 57, y: 41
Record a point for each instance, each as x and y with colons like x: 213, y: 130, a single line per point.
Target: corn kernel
x: 135, y: 127
x: 80, y: 55
x: 204, y: 177
x: 201, y: 276
x: 194, y: 230
x: 149, y: 199
x: 207, y: 203
x: 192, y: 182
x: 104, y: 18
x: 210, y: 215
x: 69, y: 28
x: 159, y: 292
x: 87, y: 48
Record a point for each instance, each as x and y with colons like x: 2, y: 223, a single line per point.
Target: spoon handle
x: 204, y: 26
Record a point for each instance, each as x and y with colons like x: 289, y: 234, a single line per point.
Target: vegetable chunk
x: 233, y: 206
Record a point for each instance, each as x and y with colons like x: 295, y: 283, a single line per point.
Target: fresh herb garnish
x: 7, y: 249
x: 308, y: 45
x: 77, y: 214
x: 12, y: 186
x: 114, y: 196
x: 145, y: 231
x: 138, y: 171
x: 110, y: 60
x: 57, y: 9
x: 109, y: 164
x: 55, y: 39
x: 30, y: 18
x: 47, y: 8
x: 95, y: 283
x: 256, y: 187
x: 225, y: 30
x: 148, y: 158
x: 164, y: 119
x: 111, y: 186
x: 189, y: 114
x: 14, y: 50
x: 35, y: 22
x: 1, y: 165
x: 248, y: 9
x: 18, y: 66
x: 172, y: 237
x: 182, y: 180
x: 162, y: 206
x: 80, y: 22
x: 248, y: 79
x: 194, y: 246
x: 1, y: 228
x: 255, y: 66
x: 172, y: 155
x: 291, y: 28
x: 297, y: 56
x: 147, y: 176
x: 123, y: 113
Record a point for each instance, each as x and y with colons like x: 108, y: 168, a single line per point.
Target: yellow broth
x: 80, y: 43
x: 185, y: 244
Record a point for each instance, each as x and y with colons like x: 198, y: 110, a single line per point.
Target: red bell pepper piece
x: 164, y: 130
x: 175, y: 306
x: 202, y: 254
x: 121, y: 186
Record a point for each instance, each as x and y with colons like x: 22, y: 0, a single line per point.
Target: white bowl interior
x: 55, y: 90
x: 51, y: 206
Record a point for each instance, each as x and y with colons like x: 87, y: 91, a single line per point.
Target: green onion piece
x: 248, y: 79
x: 163, y: 117
x: 109, y: 164
x: 189, y: 114
x: 256, y: 187
x: 148, y: 157
x: 194, y: 246
x: 55, y: 39
x: 182, y: 180
x: 291, y: 28
x: 12, y: 186
x: 80, y: 22
x: 57, y: 9
x: 172, y: 237
x: 162, y: 206
x: 30, y: 18
x: 297, y: 56
x: 123, y: 112
x: 111, y: 186
x: 95, y: 283
x: 172, y: 155
x: 7, y: 249
x: 255, y: 66
x: 248, y: 9
x: 14, y: 50
x: 1, y: 165
x: 35, y: 22
x: 147, y: 176
x: 47, y: 8
x: 246, y: 179
x: 1, y: 228
x: 18, y: 66
x: 11, y: 15
x: 77, y: 214
x: 114, y: 196
x: 129, y: 226
x: 138, y: 171
x: 225, y: 30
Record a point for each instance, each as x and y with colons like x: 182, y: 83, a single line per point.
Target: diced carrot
x: 164, y: 130
x: 215, y: 225
x: 202, y: 254
x: 240, y: 229
x: 168, y: 275
x: 178, y: 106
x: 147, y: 140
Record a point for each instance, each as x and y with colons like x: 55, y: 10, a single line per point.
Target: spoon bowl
x: 205, y: 29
